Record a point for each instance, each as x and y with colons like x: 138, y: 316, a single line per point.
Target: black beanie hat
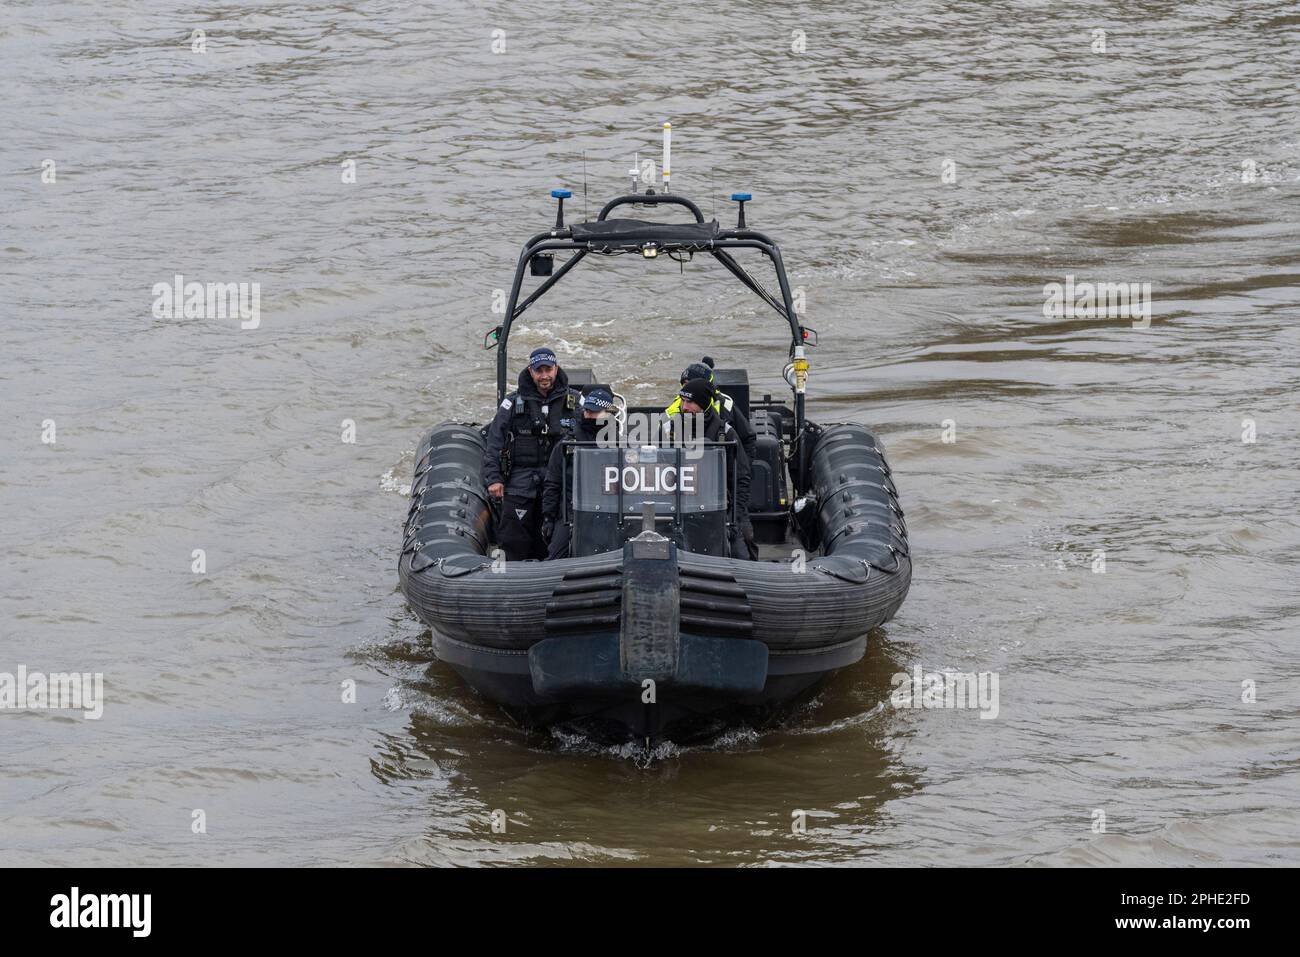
x: 698, y: 391
x: 696, y: 370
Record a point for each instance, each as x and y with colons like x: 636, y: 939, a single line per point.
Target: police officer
x: 723, y: 404
x: 596, y: 406
x: 730, y: 412
x: 697, y: 396
x: 529, y: 422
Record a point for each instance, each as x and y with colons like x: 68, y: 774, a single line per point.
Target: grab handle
x: 649, y: 199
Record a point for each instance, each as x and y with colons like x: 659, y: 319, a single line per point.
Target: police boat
x: 651, y: 629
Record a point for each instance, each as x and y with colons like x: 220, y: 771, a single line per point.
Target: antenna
x: 585, y: 217
x: 668, y: 153
x: 635, y: 171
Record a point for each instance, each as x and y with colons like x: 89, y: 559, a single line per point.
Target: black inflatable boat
x: 651, y: 630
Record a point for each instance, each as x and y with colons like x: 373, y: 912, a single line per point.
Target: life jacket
x: 536, y: 424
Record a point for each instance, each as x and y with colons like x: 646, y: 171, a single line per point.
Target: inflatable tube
x: 809, y: 613
x: 856, y: 584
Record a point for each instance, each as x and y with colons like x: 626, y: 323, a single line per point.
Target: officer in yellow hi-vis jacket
x: 730, y: 415
x: 723, y: 404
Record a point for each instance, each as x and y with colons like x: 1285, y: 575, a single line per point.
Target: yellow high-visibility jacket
x: 721, y: 400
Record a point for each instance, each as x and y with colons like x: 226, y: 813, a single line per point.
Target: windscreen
x: 694, y: 479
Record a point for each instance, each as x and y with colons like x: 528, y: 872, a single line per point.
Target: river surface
x: 928, y: 173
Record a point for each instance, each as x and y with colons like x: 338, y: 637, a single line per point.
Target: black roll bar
x: 514, y: 308
x: 649, y: 199
x: 737, y: 270
x: 562, y: 239
x: 550, y: 281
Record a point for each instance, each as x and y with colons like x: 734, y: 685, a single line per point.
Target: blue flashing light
x: 741, y: 197
x: 561, y: 193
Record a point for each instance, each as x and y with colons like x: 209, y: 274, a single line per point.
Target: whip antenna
x: 668, y: 153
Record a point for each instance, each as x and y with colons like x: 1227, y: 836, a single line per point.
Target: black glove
x: 548, y: 529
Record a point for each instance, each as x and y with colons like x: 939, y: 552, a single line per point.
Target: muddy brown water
x: 1169, y: 158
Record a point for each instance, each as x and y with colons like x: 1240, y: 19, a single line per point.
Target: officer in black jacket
x: 698, y: 397
x: 528, y: 424
x: 596, y: 406
x: 723, y: 404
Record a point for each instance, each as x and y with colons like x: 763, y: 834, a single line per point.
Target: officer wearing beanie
x: 725, y: 406
x: 697, y: 397
x: 529, y: 423
x: 597, y: 405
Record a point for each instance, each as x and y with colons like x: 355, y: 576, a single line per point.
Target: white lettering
x: 650, y: 479
x: 103, y: 910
